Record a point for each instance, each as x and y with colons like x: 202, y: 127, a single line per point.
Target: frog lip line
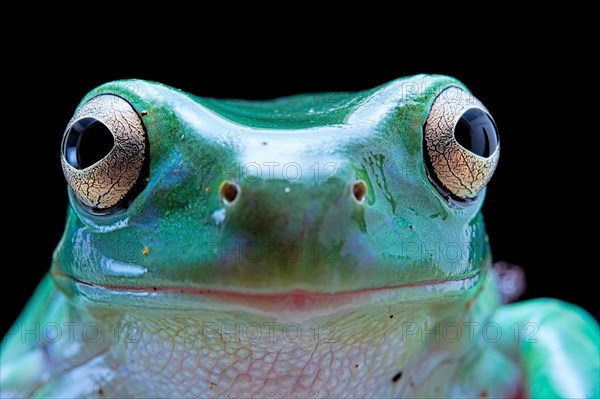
x: 295, y: 298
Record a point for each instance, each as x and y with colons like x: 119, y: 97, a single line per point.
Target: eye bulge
x: 461, y: 143
x: 104, y: 150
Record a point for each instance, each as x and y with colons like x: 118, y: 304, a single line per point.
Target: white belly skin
x: 419, y: 348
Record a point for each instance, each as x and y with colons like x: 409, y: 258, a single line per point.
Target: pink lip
x: 295, y: 299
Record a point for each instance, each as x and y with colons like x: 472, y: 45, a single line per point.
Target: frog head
x: 317, y: 195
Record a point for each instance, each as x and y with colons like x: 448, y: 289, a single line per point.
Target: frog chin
x: 294, y: 301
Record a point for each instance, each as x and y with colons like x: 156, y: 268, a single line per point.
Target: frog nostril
x: 229, y: 191
x: 359, y: 190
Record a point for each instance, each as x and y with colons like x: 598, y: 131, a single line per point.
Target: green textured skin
x: 177, y: 260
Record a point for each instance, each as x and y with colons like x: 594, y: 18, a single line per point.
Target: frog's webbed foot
x: 510, y: 280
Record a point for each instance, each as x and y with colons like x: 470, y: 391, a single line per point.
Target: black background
x: 534, y: 208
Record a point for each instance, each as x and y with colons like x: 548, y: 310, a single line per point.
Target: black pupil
x: 477, y: 133
x: 87, y: 142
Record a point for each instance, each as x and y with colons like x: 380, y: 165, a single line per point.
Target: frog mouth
x: 293, y: 300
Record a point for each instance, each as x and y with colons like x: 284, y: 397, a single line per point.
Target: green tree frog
x: 326, y: 245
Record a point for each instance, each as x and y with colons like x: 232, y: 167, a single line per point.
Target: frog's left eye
x: 104, y: 152
x: 461, y: 144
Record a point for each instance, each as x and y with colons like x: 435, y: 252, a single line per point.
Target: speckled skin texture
x: 386, y: 344
x: 294, y: 288
x: 356, y: 355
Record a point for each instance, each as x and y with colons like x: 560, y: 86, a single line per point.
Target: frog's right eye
x: 104, y: 153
